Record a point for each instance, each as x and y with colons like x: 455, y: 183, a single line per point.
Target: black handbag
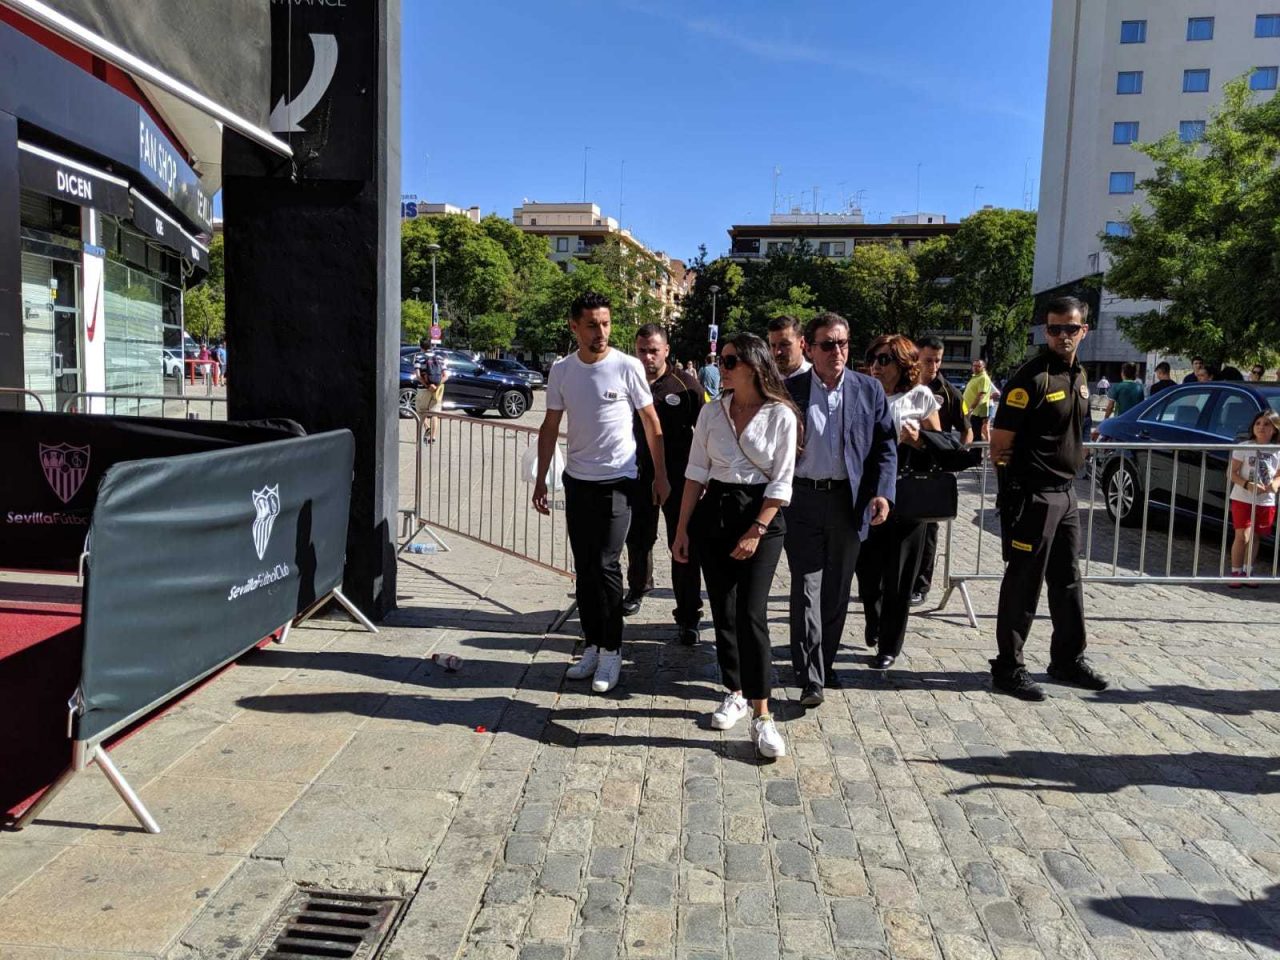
x: 926, y: 497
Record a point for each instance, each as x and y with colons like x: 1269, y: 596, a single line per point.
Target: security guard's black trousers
x: 1041, y: 532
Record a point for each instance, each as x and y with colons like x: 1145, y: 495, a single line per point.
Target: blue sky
x: 703, y: 99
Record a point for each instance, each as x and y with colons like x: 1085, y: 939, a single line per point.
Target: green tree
x: 799, y: 303
x: 991, y: 256
x: 1206, y: 246
x: 492, y: 331
x: 882, y: 293
x: 204, y: 306
x: 415, y: 321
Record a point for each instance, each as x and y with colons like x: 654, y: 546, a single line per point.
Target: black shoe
x: 812, y: 696
x: 631, y: 604
x: 1078, y: 674
x: 918, y: 598
x: 882, y: 661
x: 1016, y: 683
x: 689, y: 636
x: 870, y: 636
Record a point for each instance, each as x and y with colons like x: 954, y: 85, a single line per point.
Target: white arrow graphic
x: 286, y: 115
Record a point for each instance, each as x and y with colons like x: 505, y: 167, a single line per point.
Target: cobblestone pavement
x: 916, y: 816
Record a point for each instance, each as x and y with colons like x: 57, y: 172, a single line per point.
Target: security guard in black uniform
x: 1037, y: 446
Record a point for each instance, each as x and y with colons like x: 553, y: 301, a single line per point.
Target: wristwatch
x: 762, y: 527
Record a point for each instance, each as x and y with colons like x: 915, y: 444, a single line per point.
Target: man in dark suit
x: 844, y: 483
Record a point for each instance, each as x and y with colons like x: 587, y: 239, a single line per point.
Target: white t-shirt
x: 766, y: 453
x: 599, y: 399
x: 914, y: 405
x: 1257, y: 466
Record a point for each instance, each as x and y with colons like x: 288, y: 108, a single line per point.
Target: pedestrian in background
x: 1255, y: 480
x: 1038, y: 449
x: 709, y: 377
x: 1256, y: 373
x: 599, y: 388
x: 1197, y: 364
x: 787, y: 342
x: 431, y: 372
x: 743, y: 456
x: 1164, y: 378
x: 1121, y: 396
x: 843, y: 486
x: 977, y: 397
x: 888, y: 567
x: 677, y: 399
x: 954, y: 419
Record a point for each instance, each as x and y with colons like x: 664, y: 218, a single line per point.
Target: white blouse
x: 769, y: 442
x: 914, y: 405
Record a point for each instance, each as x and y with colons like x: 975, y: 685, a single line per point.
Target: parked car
x: 469, y: 388
x: 171, y: 359
x: 514, y: 368
x: 1194, y: 413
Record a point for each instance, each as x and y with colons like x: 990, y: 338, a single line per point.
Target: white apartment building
x: 1120, y: 72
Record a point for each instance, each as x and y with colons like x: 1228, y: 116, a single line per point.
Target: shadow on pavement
x: 1236, y: 703
x: 1244, y: 920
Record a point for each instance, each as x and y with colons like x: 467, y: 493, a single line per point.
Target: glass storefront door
x: 51, y: 328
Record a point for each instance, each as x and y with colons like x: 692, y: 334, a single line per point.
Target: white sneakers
x: 604, y: 667
x: 765, y: 735
x: 607, y: 672
x: 732, y: 709
x: 586, y: 666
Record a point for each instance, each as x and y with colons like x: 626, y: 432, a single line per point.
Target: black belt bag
x: 926, y: 497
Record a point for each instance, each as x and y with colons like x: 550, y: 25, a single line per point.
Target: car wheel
x: 512, y: 404
x: 408, y: 397
x: 474, y: 412
x: 1123, y: 493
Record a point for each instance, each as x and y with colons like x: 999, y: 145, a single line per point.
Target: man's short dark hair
x: 930, y: 343
x: 785, y: 322
x: 1163, y: 367
x: 653, y: 330
x: 711, y: 359
x: 1128, y: 371
x: 1199, y: 360
x: 589, y: 300
x: 821, y: 322
x: 425, y: 343
x: 1062, y: 306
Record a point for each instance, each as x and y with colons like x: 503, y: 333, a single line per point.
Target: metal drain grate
x: 325, y: 923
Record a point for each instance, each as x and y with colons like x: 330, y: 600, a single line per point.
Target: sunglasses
x: 880, y: 359
x: 1063, y: 329
x: 826, y: 346
x: 729, y: 360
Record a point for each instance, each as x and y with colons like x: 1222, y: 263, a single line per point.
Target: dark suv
x: 1194, y: 413
x: 513, y: 368
x: 470, y: 388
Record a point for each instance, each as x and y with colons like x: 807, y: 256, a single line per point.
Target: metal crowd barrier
x: 1130, y: 546
x: 472, y: 483
x: 156, y: 404
x: 22, y: 392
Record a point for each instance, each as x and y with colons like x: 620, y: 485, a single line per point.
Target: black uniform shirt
x: 951, y: 411
x: 677, y: 398
x: 1045, y: 404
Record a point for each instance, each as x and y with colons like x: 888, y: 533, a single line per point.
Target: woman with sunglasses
x: 743, y: 456
x: 890, y: 559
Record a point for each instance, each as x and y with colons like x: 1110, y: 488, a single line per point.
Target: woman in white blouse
x: 890, y: 559
x: 744, y: 457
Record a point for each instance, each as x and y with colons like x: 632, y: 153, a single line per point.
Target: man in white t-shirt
x: 599, y: 388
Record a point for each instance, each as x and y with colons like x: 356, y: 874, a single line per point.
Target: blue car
x: 1194, y: 413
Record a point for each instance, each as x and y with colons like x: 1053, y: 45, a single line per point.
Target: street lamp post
x: 434, y: 248
x: 715, y: 329
x: 416, y: 291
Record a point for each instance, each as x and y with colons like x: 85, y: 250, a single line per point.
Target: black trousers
x: 822, y: 554
x: 686, y: 579
x: 929, y: 553
x: 1041, y: 537
x: 887, y: 568
x: 598, y: 514
x: 738, y: 589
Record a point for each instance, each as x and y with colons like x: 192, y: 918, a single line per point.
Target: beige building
x: 827, y: 234
x: 411, y: 207
x: 1120, y: 72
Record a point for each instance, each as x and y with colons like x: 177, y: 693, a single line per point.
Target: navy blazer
x: 870, y: 448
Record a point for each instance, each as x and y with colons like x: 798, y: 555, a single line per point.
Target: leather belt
x: 819, y: 484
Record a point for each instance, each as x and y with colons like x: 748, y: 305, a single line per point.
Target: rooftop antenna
x: 1026, y: 195
x: 777, y: 172
x: 918, y: 166
x: 975, y: 195
x: 815, y: 198
x: 584, y: 173
x: 621, y: 180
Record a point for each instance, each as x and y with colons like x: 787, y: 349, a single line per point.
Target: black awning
x: 158, y: 225
x: 54, y: 175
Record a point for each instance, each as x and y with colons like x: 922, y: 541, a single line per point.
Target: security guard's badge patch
x: 1056, y: 396
x: 1018, y: 398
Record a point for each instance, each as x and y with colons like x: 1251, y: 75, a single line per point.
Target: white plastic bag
x: 529, y: 467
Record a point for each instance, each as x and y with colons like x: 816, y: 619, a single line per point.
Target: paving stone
x: 752, y: 905
x: 703, y: 850
x: 649, y: 933
x: 856, y: 922
x: 798, y: 898
x: 652, y: 886
x: 794, y: 861
x: 603, y: 905
x: 783, y: 793
x: 608, y: 863
x: 561, y: 873
x: 752, y: 945
x: 702, y: 925
x: 745, y: 863
x: 524, y: 850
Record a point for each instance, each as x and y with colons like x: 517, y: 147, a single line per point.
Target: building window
x: 1200, y: 28
x: 562, y: 244
x: 533, y: 221
x: 1133, y: 31
x: 1125, y: 131
x: 1191, y: 131
x: 1116, y: 228
x: 1195, y: 81
x: 1267, y: 25
x: 1122, y: 182
x: 1129, y: 81
x: 1264, y: 78
x: 837, y: 248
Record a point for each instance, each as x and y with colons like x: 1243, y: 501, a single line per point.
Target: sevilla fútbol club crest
x: 65, y: 467
x: 266, y: 505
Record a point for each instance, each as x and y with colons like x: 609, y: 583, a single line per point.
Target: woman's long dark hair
x: 755, y: 353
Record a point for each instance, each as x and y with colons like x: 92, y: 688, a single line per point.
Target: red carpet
x: 39, y: 669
